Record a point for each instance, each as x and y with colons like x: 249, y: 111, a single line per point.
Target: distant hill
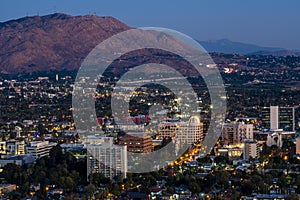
x: 61, y: 42
x: 230, y: 47
x: 57, y: 41
x: 276, y: 53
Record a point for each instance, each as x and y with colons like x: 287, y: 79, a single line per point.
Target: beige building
x: 184, y: 132
x: 190, y: 132
x: 251, y: 150
x: 298, y: 145
x: 236, y: 132
x: 167, y: 129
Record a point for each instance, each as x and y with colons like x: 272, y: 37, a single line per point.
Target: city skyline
x: 93, y: 108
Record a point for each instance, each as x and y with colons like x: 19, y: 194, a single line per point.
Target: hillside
x: 52, y: 42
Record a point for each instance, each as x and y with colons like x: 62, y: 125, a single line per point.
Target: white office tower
x: 251, y: 150
x: 236, y: 132
x: 298, y: 145
x: 190, y: 132
x: 274, y: 121
x: 105, y: 157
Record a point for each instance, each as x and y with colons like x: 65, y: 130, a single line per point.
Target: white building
x: 105, y: 157
x: 274, y: 121
x: 251, y: 150
x: 298, y: 145
x: 190, y: 132
x: 236, y: 132
x: 39, y: 149
x: 274, y: 139
x: 184, y: 132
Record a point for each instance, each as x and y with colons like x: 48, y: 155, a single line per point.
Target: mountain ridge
x: 230, y: 47
x: 61, y: 42
x: 56, y: 41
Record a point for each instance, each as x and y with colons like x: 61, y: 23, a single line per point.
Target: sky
x: 273, y: 23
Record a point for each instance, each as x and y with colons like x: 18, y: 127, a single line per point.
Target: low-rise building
x: 39, y: 149
x: 15, y: 147
x: 137, y: 142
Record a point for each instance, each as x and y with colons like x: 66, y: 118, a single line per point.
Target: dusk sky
x: 267, y: 23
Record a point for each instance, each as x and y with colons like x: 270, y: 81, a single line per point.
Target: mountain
x: 52, y: 42
x: 276, y: 53
x: 230, y: 47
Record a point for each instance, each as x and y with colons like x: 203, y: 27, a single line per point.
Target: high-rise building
x: 287, y: 118
x: 298, y: 145
x: 251, y: 150
x: 274, y: 121
x: 105, y: 157
x: 275, y: 117
x: 137, y: 142
x: 265, y: 117
x: 236, y: 132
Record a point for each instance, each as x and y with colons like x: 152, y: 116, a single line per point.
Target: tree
x: 90, y: 189
x: 222, y: 178
x: 99, y: 178
x: 258, y: 182
x: 56, y: 155
x: 194, y: 187
x: 247, y: 187
x: 116, y: 190
x: 292, y: 196
x: 282, y: 182
x: 68, y: 184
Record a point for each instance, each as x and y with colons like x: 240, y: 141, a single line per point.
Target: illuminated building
x: 251, y: 150
x: 15, y: 147
x: 190, y: 132
x: 167, y: 129
x: 137, y: 142
x: 274, y: 139
x: 236, y: 133
x: 275, y: 117
x: 298, y: 145
x: 184, y: 132
x: 39, y: 149
x: 105, y: 157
